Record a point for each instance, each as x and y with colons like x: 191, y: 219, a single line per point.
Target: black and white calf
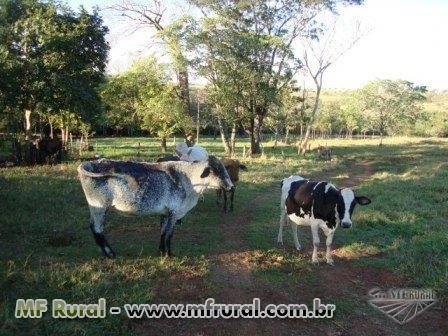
x: 169, y: 189
x: 319, y: 205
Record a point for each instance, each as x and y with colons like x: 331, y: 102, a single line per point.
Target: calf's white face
x: 350, y: 200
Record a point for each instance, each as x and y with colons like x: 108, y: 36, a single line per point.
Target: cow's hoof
x: 298, y: 248
x: 109, y: 253
x: 330, y: 262
x: 165, y: 254
x: 315, y: 261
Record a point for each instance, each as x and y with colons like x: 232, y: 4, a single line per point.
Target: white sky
x: 406, y: 39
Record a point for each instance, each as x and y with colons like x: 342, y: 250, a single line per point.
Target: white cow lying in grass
x: 191, y: 154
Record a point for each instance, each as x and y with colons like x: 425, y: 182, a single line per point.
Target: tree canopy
x: 51, y: 58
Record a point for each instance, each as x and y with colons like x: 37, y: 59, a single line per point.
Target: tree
x: 319, y: 53
x: 161, y: 113
x: 119, y: 95
x: 246, y: 51
x: 172, y: 35
x: 144, y: 94
x: 52, y: 57
x: 391, y: 103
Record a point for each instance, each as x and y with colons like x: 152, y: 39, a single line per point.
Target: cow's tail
x: 87, y: 169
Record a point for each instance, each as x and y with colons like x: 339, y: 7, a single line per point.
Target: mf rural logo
x: 402, y: 304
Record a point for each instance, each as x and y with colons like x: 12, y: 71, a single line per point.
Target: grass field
x: 401, y: 239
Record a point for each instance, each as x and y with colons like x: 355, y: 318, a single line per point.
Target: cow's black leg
x: 167, y: 234
x: 162, y: 244
x: 101, y: 241
x: 162, y: 235
x: 232, y: 195
x: 168, y: 244
x: 97, y: 216
x: 218, y: 196
x: 224, y: 192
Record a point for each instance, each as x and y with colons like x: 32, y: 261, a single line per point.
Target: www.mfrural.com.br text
x: 60, y: 309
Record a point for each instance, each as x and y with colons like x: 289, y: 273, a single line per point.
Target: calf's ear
x: 243, y: 167
x: 206, y: 172
x: 362, y: 200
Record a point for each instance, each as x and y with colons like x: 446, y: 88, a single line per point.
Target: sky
x: 402, y: 39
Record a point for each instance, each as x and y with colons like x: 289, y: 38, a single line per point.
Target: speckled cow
x: 170, y: 189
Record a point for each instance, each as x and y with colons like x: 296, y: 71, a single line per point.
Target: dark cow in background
x: 233, y: 167
x: 44, y: 151
x: 318, y: 204
x: 50, y: 150
x: 170, y: 189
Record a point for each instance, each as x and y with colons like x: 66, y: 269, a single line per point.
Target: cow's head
x: 233, y: 167
x: 216, y: 175
x: 347, y: 205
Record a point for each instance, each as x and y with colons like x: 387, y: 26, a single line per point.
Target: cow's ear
x: 206, y: 172
x: 362, y: 200
x: 243, y: 167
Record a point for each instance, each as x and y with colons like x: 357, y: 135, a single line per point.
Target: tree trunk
x: 255, y: 134
x: 224, y: 136
x: 27, y: 124
x: 163, y: 144
x: 287, y: 136
x: 197, y: 124
x: 66, y: 136
x: 51, y: 129
x: 62, y: 135
x: 184, y: 97
x: 303, y: 147
x: 233, y: 139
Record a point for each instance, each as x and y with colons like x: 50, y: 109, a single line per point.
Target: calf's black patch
x: 309, y: 198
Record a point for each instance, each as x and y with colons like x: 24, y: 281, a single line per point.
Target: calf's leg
x: 282, y: 223
x: 316, y: 242
x: 295, y: 228
x: 329, y: 241
x: 97, y: 216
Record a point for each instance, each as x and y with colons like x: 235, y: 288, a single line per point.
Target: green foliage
x: 246, y: 53
x: 51, y: 56
x: 143, y: 97
x: 391, y: 106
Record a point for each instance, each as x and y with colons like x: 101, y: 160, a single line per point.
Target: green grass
x: 46, y: 249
